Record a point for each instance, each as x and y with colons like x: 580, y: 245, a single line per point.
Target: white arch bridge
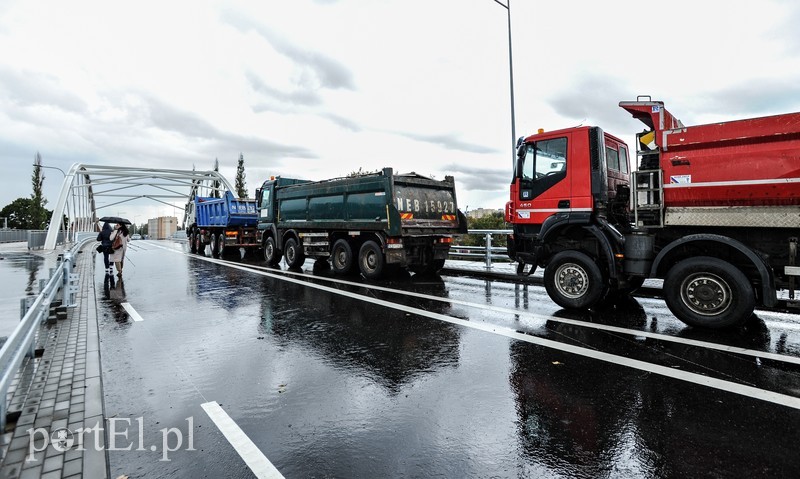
x: 84, y: 184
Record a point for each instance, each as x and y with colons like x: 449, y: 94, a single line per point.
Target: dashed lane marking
x: 132, y: 312
x: 247, y: 450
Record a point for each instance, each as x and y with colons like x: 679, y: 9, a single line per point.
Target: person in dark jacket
x: 105, y: 241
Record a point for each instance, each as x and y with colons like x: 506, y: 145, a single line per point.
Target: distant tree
x: 241, y: 185
x: 38, y: 180
x: 215, y: 192
x: 24, y: 214
x: 39, y: 213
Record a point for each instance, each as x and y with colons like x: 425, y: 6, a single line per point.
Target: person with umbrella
x: 118, y: 254
x: 105, y: 246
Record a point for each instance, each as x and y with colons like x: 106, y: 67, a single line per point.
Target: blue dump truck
x: 223, y: 223
x: 366, y: 222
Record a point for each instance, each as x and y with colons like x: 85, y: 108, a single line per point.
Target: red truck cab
x: 566, y: 175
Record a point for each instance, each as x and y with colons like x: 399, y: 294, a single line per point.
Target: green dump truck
x: 372, y: 221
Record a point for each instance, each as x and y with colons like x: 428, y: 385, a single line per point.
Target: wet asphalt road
x: 429, y: 377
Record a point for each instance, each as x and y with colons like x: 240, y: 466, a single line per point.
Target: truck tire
x: 221, y: 245
x: 215, y: 239
x: 707, y: 292
x: 574, y: 281
x: 371, y: 260
x: 272, y: 255
x: 341, y: 257
x: 199, y: 247
x: 294, y: 254
x: 192, y: 245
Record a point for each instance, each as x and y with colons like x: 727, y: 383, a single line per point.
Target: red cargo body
x: 753, y: 162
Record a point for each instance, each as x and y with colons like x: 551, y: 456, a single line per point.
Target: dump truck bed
x: 396, y: 204
x: 225, y: 212
x: 752, y: 162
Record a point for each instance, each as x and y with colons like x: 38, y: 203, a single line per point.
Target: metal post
x: 507, y: 6
x: 488, y: 250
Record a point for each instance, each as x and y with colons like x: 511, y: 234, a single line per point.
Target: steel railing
x: 35, y: 238
x: 487, y: 251
x: 22, y: 342
x: 13, y: 236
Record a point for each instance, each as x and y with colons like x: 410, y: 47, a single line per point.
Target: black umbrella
x: 115, y: 219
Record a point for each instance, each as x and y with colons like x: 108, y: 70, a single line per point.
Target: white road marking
x: 541, y: 317
x: 132, y: 312
x: 247, y: 450
x: 756, y: 393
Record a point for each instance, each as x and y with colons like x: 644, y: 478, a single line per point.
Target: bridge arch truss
x: 84, y: 184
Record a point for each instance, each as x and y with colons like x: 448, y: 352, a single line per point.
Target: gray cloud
x: 33, y: 88
x: 168, y: 118
x: 765, y: 96
x: 343, y: 122
x: 593, y: 101
x: 318, y: 68
x: 298, y: 97
x: 450, y: 142
x: 479, y: 179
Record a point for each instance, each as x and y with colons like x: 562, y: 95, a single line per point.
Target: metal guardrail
x: 13, y: 236
x: 35, y: 238
x: 22, y: 342
x: 487, y: 251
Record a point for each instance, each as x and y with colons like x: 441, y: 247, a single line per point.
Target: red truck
x: 713, y: 210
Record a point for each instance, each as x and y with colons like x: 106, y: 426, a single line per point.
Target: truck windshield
x: 544, y: 158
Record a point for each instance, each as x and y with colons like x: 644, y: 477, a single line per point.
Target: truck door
x: 544, y: 188
x: 265, y: 213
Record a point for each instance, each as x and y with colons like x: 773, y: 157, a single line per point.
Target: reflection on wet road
x: 21, y: 273
x: 420, y: 377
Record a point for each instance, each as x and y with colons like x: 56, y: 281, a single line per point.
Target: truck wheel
x: 272, y: 255
x: 215, y: 240
x: 341, y: 257
x: 192, y: 245
x: 708, y: 292
x: 221, y: 245
x: 370, y: 260
x: 574, y: 281
x: 199, y: 247
x: 294, y: 254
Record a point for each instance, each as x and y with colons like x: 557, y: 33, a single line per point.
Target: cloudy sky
x: 319, y: 88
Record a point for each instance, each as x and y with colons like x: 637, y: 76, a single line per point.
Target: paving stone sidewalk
x: 59, y: 394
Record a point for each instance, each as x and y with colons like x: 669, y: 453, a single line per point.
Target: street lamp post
x: 507, y: 6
